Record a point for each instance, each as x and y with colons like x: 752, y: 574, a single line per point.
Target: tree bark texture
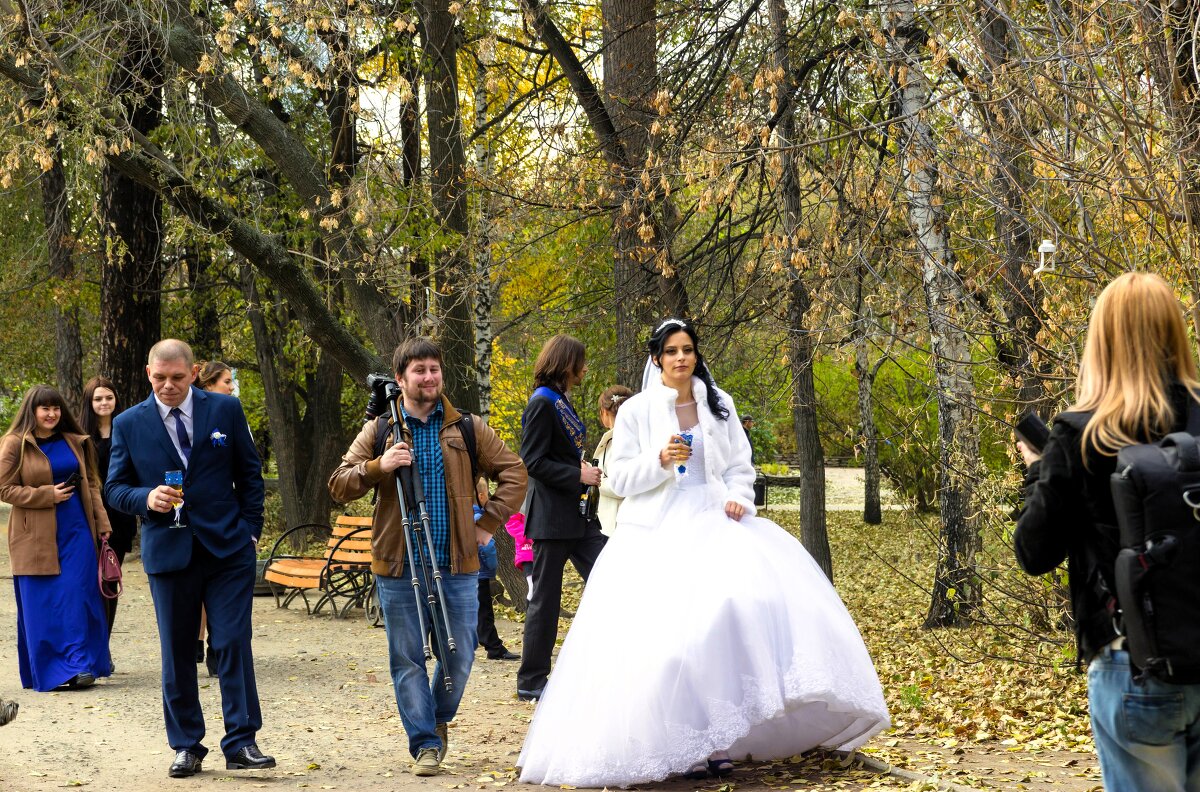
x: 447, y: 180
x: 955, y: 585
x: 60, y: 244
x: 485, y: 290
x: 864, y: 372
x: 1012, y: 171
x: 307, y: 443
x: 206, y: 327
x: 1171, y: 44
x: 801, y: 343
x: 645, y: 283
x: 131, y: 276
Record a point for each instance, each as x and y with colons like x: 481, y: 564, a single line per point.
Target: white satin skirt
x: 699, y: 635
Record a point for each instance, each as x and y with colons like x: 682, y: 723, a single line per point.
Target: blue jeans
x: 1147, y: 733
x: 488, y: 562
x: 424, y: 703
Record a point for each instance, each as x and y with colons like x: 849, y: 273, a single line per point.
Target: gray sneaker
x: 443, y: 731
x: 427, y: 763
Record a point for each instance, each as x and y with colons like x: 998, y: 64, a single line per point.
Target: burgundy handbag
x: 110, y: 571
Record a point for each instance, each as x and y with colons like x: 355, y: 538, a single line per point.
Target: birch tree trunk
x: 955, y: 584
x: 485, y: 291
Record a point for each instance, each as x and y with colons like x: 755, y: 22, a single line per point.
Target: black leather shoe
x: 210, y: 661
x: 78, y: 682
x: 249, y: 758
x: 503, y: 654
x: 186, y: 764
x: 529, y: 695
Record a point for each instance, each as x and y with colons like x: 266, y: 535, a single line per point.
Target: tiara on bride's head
x: 668, y: 323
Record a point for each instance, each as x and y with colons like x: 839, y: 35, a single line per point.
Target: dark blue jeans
x: 424, y: 703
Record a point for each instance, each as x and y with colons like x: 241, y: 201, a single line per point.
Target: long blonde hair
x: 1137, y: 346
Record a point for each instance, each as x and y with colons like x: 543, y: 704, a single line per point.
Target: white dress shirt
x: 169, y: 421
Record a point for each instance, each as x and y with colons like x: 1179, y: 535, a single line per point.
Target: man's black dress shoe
x: 503, y: 654
x: 186, y: 764
x: 249, y: 757
x: 529, y: 695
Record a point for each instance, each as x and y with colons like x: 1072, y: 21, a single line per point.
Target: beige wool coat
x: 27, y: 484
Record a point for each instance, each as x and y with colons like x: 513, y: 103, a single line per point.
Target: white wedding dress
x: 698, y: 635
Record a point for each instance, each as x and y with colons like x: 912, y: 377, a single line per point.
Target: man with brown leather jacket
x: 433, y: 431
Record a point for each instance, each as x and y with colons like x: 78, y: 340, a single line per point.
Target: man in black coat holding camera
x: 552, y: 446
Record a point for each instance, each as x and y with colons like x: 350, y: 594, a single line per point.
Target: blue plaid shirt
x: 428, y: 451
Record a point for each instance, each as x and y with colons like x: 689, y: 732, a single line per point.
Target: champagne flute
x: 174, y: 479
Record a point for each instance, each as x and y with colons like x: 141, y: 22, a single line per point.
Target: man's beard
x: 421, y: 397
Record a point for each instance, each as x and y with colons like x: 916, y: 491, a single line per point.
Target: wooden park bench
x: 332, y: 563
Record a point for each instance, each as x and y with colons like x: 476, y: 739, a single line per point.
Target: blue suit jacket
x: 222, y: 487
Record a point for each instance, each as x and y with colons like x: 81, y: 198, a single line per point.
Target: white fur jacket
x: 645, y: 424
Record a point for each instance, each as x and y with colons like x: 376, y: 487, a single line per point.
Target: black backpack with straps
x: 1156, y: 492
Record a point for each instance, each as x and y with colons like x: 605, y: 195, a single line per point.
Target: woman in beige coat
x: 48, y: 475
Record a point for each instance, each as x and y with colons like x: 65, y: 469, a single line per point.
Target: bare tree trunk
x: 131, y: 279
x: 447, y: 178
x: 864, y: 372
x: 801, y: 343
x: 306, y: 446
x: 206, y: 324
x: 1171, y: 43
x: 955, y: 585
x: 645, y: 283
x: 1012, y: 168
x: 60, y: 243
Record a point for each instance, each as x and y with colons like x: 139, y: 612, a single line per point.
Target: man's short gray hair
x: 171, y: 349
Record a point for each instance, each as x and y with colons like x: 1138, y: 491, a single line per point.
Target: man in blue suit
x: 209, y: 560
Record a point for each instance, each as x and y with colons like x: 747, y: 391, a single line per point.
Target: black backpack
x: 383, y: 438
x: 1156, y: 492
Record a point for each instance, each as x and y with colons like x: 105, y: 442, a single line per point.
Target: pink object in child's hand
x: 524, y: 547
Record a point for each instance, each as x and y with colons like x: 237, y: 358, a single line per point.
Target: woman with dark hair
x: 742, y: 645
x: 48, y: 474
x: 553, y: 439
x: 100, y: 406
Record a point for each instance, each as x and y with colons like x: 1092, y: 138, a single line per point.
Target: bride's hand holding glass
x: 677, y: 452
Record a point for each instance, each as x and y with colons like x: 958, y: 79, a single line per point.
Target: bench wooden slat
x: 342, y: 570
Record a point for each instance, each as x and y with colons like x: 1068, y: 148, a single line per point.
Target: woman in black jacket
x: 553, y: 439
x: 1135, y: 381
x: 100, y: 406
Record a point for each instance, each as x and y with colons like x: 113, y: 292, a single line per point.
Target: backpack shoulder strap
x: 383, y: 434
x: 467, y: 429
x: 1193, y: 417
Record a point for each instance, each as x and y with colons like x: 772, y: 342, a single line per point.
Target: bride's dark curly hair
x: 658, y: 339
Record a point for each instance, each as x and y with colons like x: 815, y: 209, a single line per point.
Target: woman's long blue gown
x: 61, y: 627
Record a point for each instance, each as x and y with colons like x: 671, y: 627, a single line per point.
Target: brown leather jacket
x: 27, y: 483
x: 359, y: 473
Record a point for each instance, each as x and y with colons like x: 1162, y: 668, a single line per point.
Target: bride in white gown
x: 705, y: 632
